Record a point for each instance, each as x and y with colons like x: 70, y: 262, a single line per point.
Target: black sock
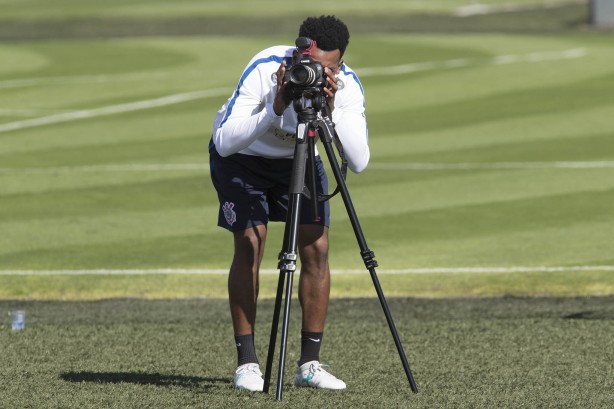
x: 310, y: 346
x: 246, y: 352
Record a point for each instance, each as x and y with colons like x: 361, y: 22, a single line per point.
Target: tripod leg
x: 282, y: 266
x: 367, y: 255
x: 273, y: 338
x: 311, y: 177
x: 287, y: 260
x: 288, y: 266
x: 284, y: 337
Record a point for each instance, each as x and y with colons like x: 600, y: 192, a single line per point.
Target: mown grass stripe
x: 434, y: 270
x: 533, y: 57
x: 393, y: 166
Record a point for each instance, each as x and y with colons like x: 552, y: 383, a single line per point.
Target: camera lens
x: 302, y: 75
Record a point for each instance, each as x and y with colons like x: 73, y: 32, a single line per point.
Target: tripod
x: 311, y: 124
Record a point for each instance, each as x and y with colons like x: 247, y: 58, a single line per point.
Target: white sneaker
x: 313, y: 374
x: 249, y: 377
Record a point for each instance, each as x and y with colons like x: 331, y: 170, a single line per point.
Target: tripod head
x: 308, y: 102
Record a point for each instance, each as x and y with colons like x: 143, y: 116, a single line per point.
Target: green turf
x: 131, y: 191
x: 41, y: 23
x: 359, y: 284
x: 481, y: 353
x: 64, y: 206
x: 41, y: 9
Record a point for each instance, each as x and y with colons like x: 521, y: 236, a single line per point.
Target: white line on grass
x: 129, y: 167
x: 492, y: 165
x: 533, y: 57
x: 434, y: 270
x: 476, y: 8
x: 204, y: 167
x: 113, y: 109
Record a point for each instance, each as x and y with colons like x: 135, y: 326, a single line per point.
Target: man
x: 251, y: 163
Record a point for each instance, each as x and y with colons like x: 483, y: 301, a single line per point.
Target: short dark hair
x: 328, y: 32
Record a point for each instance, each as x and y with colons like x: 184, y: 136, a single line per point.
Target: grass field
x: 487, y: 200
x: 465, y: 353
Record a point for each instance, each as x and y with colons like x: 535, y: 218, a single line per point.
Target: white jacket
x: 247, y: 124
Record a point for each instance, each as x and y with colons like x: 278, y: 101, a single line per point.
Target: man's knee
x: 249, y: 246
x: 314, y: 246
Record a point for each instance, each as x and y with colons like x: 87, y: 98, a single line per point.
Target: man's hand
x: 283, y: 96
x: 331, y: 87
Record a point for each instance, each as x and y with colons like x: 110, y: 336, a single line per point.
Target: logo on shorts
x: 229, y: 213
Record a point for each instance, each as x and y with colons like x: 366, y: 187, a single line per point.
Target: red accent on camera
x: 309, y: 50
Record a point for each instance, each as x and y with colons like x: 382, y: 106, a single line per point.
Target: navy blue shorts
x: 253, y: 190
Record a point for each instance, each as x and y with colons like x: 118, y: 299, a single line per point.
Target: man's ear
x: 339, y: 67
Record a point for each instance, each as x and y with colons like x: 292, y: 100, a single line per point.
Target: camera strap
x: 337, y: 142
x: 326, y: 111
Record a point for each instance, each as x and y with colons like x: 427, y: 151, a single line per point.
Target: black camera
x: 307, y: 73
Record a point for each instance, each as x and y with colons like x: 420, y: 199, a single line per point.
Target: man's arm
x: 351, y: 125
x: 246, y: 118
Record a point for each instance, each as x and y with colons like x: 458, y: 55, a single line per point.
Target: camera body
x: 307, y: 73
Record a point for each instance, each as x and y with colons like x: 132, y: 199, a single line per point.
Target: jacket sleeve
x: 247, y: 116
x: 351, y: 126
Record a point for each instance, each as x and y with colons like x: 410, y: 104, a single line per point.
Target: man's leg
x: 243, y: 296
x: 314, y: 293
x: 243, y: 278
x: 314, y: 282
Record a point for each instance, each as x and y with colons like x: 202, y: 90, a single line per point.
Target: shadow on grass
x: 144, y: 379
x: 590, y: 315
